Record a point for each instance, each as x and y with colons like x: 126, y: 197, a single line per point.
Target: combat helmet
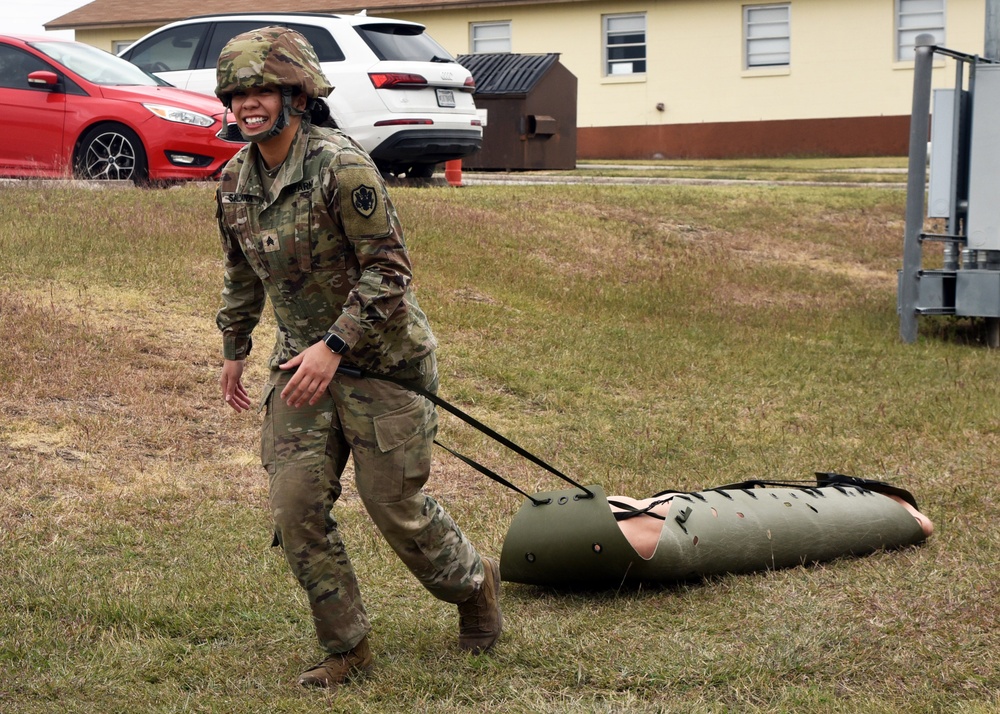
x: 276, y: 56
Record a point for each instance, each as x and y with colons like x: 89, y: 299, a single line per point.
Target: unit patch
x: 365, y: 200
x: 363, y: 209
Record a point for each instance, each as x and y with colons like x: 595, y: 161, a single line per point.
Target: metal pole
x: 952, y: 250
x: 909, y: 285
x: 991, y: 47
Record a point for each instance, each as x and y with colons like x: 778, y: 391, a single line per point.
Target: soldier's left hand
x: 314, y: 369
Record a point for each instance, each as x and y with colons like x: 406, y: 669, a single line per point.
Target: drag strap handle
x: 359, y: 373
x: 492, y: 474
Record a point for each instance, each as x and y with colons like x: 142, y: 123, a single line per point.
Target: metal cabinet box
x: 977, y: 293
x: 984, y: 158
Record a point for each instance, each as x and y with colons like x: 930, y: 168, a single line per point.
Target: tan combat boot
x: 479, y: 617
x: 337, y: 669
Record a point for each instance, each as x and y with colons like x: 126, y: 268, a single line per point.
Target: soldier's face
x: 256, y: 109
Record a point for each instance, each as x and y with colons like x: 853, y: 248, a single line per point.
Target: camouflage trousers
x: 389, y: 432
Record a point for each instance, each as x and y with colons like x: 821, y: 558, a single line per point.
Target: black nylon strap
x: 358, y: 373
x: 492, y: 474
x: 826, y: 478
x: 630, y: 511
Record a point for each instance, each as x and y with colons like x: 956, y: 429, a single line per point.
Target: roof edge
x: 67, y: 22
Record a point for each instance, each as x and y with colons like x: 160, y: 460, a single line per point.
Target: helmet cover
x: 273, y: 55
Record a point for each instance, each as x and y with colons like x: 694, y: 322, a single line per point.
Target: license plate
x: 446, y: 98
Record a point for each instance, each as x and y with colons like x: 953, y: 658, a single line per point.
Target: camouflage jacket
x: 326, y: 246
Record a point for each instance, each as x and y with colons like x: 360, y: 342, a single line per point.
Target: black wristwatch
x: 335, y: 343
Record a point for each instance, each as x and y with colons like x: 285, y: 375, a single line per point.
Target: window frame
x: 608, y: 62
x: 193, y: 33
x: 509, y: 38
x: 66, y: 85
x: 322, y: 40
x: 899, y: 46
x: 748, y: 40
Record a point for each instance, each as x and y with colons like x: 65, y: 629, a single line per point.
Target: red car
x: 74, y: 110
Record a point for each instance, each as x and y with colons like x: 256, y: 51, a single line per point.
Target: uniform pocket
x: 303, y: 230
x: 397, y: 427
x: 399, y: 465
x: 327, y: 242
x: 237, y: 217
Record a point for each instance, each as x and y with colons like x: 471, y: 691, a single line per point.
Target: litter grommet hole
x: 598, y: 548
x: 530, y: 557
x: 739, y: 515
x: 563, y: 500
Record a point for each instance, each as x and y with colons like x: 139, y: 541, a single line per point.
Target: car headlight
x: 181, y: 116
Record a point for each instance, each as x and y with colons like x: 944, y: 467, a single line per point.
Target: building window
x: 119, y: 46
x: 917, y: 17
x: 489, y: 37
x: 624, y: 44
x: 767, y: 35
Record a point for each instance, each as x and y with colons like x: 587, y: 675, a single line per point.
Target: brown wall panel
x: 855, y: 136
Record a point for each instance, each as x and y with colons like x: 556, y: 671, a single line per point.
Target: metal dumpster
x: 530, y: 102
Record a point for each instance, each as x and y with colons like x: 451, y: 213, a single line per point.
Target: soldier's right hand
x: 231, y: 382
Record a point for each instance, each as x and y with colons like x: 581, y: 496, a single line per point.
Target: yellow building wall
x: 842, y: 58
x: 105, y: 39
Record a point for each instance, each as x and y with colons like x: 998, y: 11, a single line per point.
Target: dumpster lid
x: 507, y: 73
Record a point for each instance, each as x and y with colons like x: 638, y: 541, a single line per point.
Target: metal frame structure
x: 963, y: 154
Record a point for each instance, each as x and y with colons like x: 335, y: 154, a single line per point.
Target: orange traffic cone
x: 453, y: 172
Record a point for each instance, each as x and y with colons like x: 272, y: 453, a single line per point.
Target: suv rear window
x: 403, y: 42
x: 326, y: 47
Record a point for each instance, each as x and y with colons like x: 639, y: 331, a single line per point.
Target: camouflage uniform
x: 325, y: 245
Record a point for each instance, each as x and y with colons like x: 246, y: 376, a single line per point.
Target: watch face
x: 336, y: 344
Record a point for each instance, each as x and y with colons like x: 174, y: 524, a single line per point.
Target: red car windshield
x: 96, y: 65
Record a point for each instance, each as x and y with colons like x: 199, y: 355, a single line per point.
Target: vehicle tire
x: 420, y: 171
x: 111, y: 152
x: 388, y: 170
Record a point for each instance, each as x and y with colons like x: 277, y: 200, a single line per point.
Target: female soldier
x: 306, y: 220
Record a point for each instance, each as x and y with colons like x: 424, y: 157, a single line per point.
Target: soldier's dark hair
x: 319, y: 113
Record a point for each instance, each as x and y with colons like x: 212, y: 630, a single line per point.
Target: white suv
x: 397, y: 92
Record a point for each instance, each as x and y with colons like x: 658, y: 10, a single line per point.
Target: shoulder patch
x: 364, y: 200
x: 361, y: 207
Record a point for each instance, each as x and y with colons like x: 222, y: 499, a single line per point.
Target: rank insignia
x: 270, y: 241
x: 364, y: 199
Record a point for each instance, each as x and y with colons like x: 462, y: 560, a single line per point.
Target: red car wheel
x: 111, y: 152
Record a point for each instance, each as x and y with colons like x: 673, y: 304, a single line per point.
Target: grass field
x: 640, y: 338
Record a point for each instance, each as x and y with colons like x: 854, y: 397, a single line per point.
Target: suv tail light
x: 396, y: 80
x: 470, y: 84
